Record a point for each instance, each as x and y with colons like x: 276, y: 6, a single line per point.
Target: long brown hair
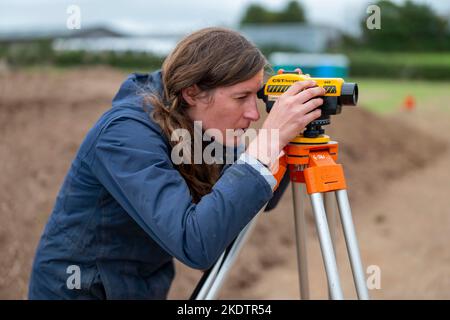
x: 208, y: 58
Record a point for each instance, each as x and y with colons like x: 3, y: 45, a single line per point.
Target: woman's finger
x: 309, y: 94
x: 311, y: 105
x: 309, y: 117
x: 299, y: 86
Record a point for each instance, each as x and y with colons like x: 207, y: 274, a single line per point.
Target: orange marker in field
x: 409, y: 103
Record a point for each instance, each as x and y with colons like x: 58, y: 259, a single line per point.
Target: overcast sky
x: 186, y: 15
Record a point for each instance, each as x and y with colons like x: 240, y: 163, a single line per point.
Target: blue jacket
x: 124, y: 211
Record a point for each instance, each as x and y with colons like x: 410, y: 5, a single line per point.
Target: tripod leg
x: 229, y: 260
x: 326, y: 246
x: 352, y: 244
x: 329, y: 199
x: 298, y: 191
x: 211, y: 277
x: 331, y: 210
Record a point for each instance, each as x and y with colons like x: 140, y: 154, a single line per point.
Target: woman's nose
x: 251, y: 112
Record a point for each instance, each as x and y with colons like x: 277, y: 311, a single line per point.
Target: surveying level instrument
x: 310, y: 158
x: 338, y: 93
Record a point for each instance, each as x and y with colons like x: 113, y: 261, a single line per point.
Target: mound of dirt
x: 44, y: 116
x: 376, y: 150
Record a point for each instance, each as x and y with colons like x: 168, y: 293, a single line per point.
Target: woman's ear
x: 190, y: 95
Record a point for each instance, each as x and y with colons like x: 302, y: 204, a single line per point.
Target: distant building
x: 94, y: 32
x: 98, y: 38
x: 157, y: 43
x: 300, y: 37
x: 303, y: 37
x: 50, y: 34
x: 315, y: 64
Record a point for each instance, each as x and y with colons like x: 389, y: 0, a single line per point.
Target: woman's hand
x: 290, y: 114
x: 294, y: 110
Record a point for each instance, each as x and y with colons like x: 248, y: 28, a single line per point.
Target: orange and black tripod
x: 311, y: 163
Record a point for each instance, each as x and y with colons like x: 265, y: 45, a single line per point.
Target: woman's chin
x: 234, y: 141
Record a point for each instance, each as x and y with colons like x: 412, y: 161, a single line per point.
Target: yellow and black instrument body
x: 338, y: 93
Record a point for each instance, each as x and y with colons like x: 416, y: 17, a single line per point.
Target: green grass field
x: 404, y: 58
x: 387, y: 95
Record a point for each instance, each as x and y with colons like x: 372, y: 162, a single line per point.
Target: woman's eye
x: 241, y: 98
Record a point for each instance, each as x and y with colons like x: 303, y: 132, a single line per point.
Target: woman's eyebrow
x: 243, y: 92
x: 246, y: 91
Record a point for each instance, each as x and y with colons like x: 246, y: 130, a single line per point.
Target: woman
x: 126, y: 207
